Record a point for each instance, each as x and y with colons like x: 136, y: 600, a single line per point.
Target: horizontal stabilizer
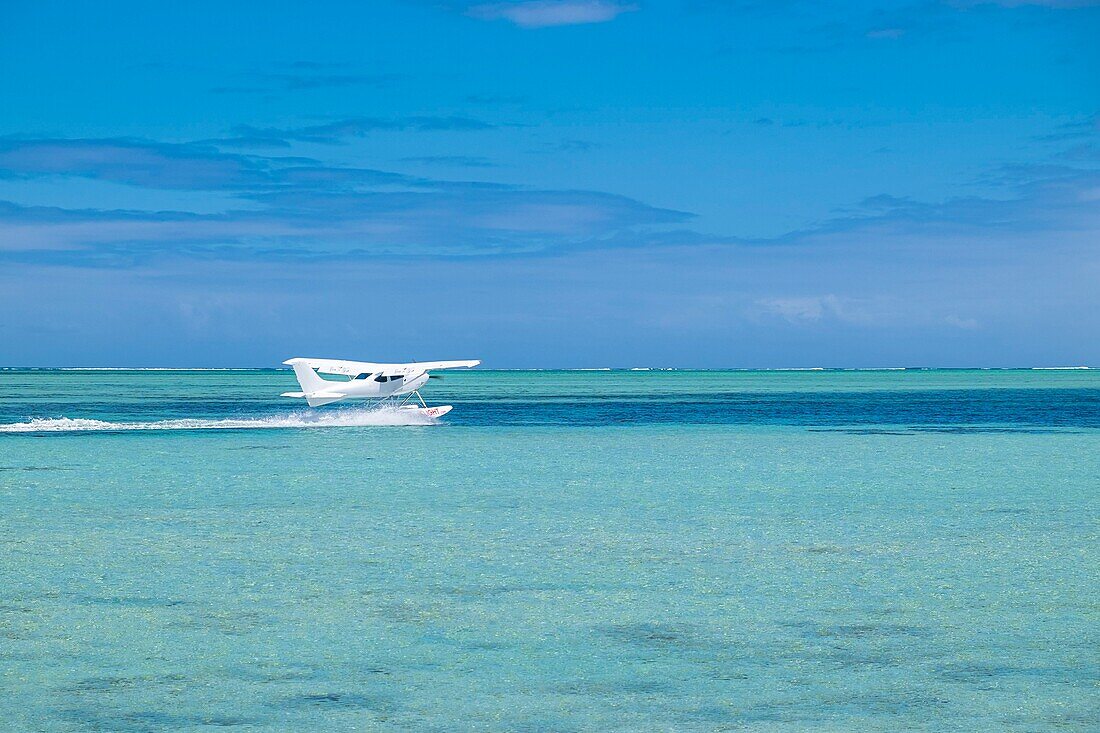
x: 316, y: 400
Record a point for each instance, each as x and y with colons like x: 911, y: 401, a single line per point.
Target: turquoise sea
x: 566, y: 551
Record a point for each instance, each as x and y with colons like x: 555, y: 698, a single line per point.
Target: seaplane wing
x: 354, y: 368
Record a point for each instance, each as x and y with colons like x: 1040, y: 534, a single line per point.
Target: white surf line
x: 1058, y: 369
x: 341, y: 419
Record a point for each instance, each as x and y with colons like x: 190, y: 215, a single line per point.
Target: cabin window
x: 381, y: 378
x: 360, y: 376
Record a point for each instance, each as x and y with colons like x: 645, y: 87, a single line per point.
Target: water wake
x: 350, y: 418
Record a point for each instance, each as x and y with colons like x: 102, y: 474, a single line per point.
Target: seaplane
x: 366, y: 380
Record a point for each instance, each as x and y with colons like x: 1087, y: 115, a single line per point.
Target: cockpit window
x: 381, y: 378
x: 360, y: 376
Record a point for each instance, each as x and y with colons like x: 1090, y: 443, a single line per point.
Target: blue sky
x: 551, y: 183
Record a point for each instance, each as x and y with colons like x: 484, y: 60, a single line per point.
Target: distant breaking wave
x: 338, y: 419
x: 1058, y: 369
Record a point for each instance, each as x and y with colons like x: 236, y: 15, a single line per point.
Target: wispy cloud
x: 1077, y: 129
x: 299, y: 206
x: 569, y: 145
x: 180, y: 166
x: 802, y: 309
x: 1044, y: 199
x: 966, y: 324
x: 544, y: 13
x: 131, y: 161
x: 304, y: 75
x: 460, y: 161
x: 293, y: 82
x: 300, y: 225
x: 575, y: 145
x: 886, y: 33
x: 249, y: 137
x: 293, y: 207
x: 810, y: 313
x: 336, y: 132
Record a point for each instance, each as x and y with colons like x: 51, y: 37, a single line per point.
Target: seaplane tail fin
x: 308, y: 378
x: 317, y: 391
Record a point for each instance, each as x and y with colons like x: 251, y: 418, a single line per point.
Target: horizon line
x: 1080, y: 367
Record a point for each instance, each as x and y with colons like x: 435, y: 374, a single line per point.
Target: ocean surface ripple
x: 564, y: 551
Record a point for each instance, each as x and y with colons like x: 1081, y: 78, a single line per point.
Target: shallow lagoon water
x: 774, y: 551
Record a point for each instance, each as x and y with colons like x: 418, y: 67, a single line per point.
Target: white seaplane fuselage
x: 368, y: 381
